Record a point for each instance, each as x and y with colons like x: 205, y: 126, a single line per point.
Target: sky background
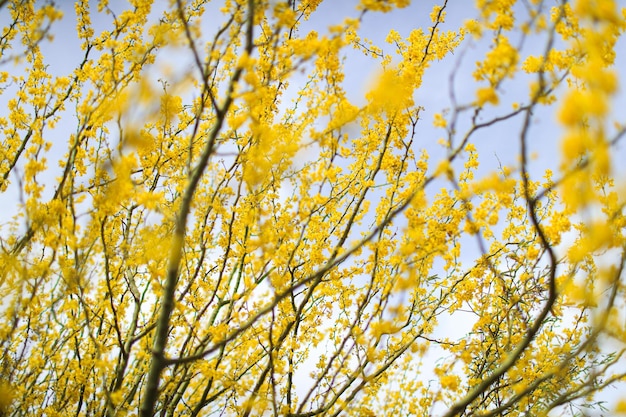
x: 498, y: 145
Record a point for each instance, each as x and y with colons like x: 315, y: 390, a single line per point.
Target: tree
x: 201, y: 219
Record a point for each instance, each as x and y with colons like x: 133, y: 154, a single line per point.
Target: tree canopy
x: 259, y: 207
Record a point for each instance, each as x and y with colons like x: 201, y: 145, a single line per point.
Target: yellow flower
x: 439, y: 121
x: 486, y: 95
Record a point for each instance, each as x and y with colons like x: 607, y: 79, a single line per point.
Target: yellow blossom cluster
x: 208, y: 219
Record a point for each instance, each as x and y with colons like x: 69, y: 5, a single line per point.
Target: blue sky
x: 496, y: 145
